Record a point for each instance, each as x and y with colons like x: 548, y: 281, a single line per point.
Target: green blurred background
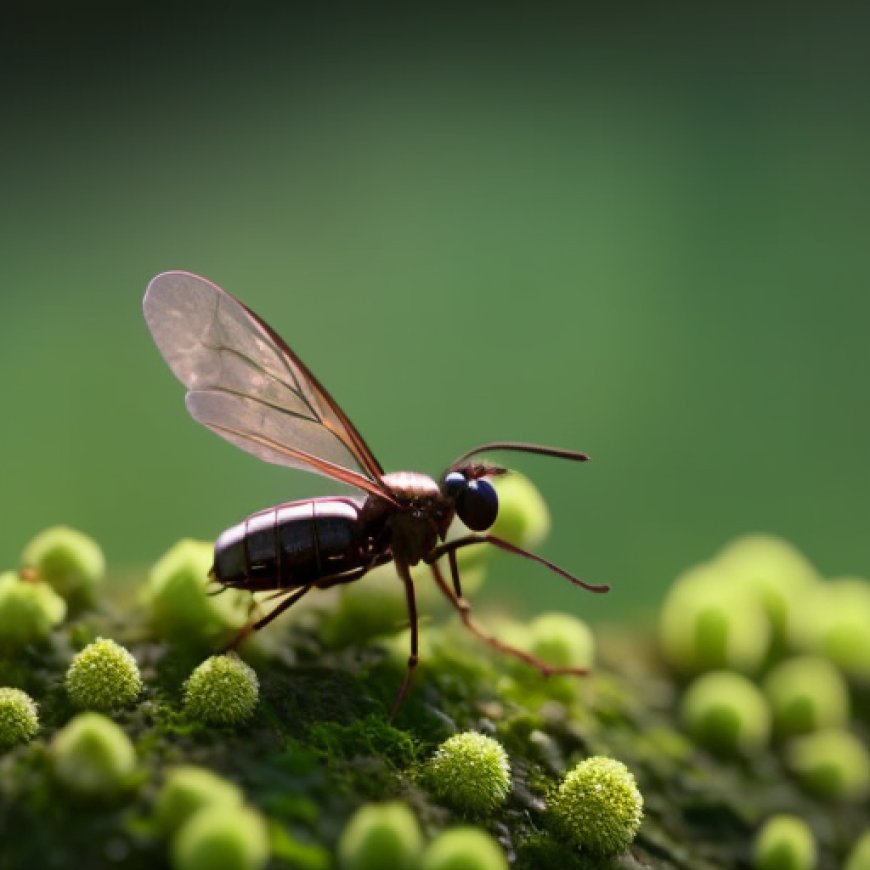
x: 636, y: 231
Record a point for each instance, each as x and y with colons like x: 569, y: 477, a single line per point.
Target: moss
x: 223, y: 690
x: 598, y: 806
x: 470, y: 772
x: 785, y: 842
x: 832, y: 763
x: 103, y: 676
x: 71, y: 562
x: 188, y: 789
x: 29, y: 609
x: 859, y: 854
x: 19, y: 719
x: 464, y: 848
x: 379, y: 836
x: 221, y: 838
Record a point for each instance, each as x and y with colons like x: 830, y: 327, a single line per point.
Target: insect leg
x: 289, y: 601
x: 463, y: 608
x: 413, y: 659
x: 468, y: 540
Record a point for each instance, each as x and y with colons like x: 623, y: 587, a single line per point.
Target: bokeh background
x: 638, y: 231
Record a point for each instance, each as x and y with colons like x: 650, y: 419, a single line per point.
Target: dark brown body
x: 298, y: 543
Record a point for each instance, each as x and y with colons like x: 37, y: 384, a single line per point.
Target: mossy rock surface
x: 321, y: 743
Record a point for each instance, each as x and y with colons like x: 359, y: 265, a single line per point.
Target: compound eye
x: 477, y: 506
x: 453, y: 484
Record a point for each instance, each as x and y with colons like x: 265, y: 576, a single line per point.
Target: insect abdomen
x: 290, y: 545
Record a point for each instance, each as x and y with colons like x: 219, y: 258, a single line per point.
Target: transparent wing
x: 244, y: 383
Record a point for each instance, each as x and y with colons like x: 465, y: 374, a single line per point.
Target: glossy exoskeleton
x: 244, y: 383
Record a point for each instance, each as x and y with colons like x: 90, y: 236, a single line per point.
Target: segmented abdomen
x: 290, y: 545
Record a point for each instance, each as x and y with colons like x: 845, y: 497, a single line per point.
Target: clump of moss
x: 19, y: 719
x: 92, y: 757
x: 859, y: 855
x: 598, y: 806
x: 103, y: 676
x: 379, y: 836
x: 180, y: 607
x: 464, y: 848
x: 188, y: 789
x: 222, y: 690
x: 562, y: 640
x: 523, y: 516
x: 805, y: 694
x: 707, y: 623
x: 785, y: 842
x: 832, y: 763
x: 221, y: 838
x: 727, y: 713
x: 776, y: 573
x: 470, y: 772
x: 834, y: 622
x: 29, y: 609
x: 69, y: 560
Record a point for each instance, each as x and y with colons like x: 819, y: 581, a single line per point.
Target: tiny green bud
x: 707, y: 623
x: 726, y: 713
x: 598, y: 806
x: 785, y: 842
x: 222, y: 690
x: 221, y: 838
x: 19, y: 720
x: 776, y: 572
x: 833, y: 764
x: 859, y: 856
x: 181, y: 609
x: 523, y: 516
x: 92, y: 757
x: 470, y: 772
x: 464, y: 848
x: 29, y: 609
x: 805, y: 694
x: 103, y: 676
x: 380, y: 836
x: 69, y: 560
x: 562, y: 641
x: 188, y: 789
x: 835, y: 623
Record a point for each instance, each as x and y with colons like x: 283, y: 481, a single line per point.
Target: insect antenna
x: 521, y: 447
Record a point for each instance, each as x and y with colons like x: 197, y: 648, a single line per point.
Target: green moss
x: 379, y: 836
x: 470, y: 772
x: 805, y: 694
x: 598, y: 806
x: 71, y: 562
x: 221, y: 838
x: 223, y: 690
x: 19, y: 719
x: 725, y: 712
x: 464, y: 848
x: 785, y: 842
x: 29, y: 609
x: 92, y: 757
x: 103, y: 676
x: 188, y: 789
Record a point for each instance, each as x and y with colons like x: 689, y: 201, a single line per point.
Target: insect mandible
x: 244, y: 383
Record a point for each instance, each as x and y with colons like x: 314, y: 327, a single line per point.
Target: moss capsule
x: 832, y: 764
x: 523, y: 515
x: 470, y: 772
x: 598, y: 806
x: 805, y: 694
x: 29, y: 609
x: 67, y: 559
x: 379, y: 836
x: 859, y: 855
x: 103, y: 676
x: 188, y: 789
x: 464, y: 848
x: 221, y: 838
x: 92, y: 757
x: 19, y: 719
x: 785, y: 842
x: 562, y: 640
x: 726, y: 713
x: 222, y: 690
